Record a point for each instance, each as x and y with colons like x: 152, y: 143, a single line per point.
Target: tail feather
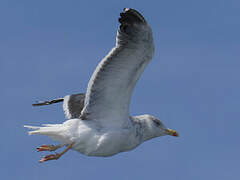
x: 49, y: 130
x: 58, y: 132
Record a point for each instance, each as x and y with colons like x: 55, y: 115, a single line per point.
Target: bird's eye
x: 156, y: 122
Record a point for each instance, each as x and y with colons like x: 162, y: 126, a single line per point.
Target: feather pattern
x: 111, y: 85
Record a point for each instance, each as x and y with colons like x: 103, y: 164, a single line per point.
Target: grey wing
x: 111, y: 85
x: 72, y: 104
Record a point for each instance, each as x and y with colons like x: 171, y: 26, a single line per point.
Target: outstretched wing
x: 110, y: 87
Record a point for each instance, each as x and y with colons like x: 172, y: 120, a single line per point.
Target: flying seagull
x: 99, y: 122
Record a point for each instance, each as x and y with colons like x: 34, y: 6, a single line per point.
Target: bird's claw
x: 53, y: 148
x: 47, y: 148
x: 50, y: 157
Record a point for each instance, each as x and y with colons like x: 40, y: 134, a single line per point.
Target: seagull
x: 98, y: 122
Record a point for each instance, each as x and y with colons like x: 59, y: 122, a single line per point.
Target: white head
x: 154, y: 127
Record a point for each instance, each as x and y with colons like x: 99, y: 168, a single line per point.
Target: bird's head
x: 161, y: 128
x: 156, y: 127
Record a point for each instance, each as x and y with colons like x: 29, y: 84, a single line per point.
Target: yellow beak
x: 172, y: 132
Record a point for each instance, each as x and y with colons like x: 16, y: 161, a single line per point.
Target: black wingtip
x: 130, y: 16
x: 42, y: 103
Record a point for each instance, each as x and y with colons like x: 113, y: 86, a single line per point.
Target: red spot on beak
x: 175, y: 134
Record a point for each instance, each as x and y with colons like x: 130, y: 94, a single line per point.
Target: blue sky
x: 50, y: 49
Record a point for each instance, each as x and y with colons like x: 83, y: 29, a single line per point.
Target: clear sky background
x: 49, y: 49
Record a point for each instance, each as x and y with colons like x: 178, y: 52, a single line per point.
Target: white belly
x: 105, y: 143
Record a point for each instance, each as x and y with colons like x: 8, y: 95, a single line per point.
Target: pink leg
x: 57, y: 155
x: 49, y: 147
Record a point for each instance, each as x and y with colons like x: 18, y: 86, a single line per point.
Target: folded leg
x: 49, y: 147
x: 57, y: 155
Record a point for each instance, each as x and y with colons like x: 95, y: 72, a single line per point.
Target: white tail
x: 47, y: 129
x: 57, y: 132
